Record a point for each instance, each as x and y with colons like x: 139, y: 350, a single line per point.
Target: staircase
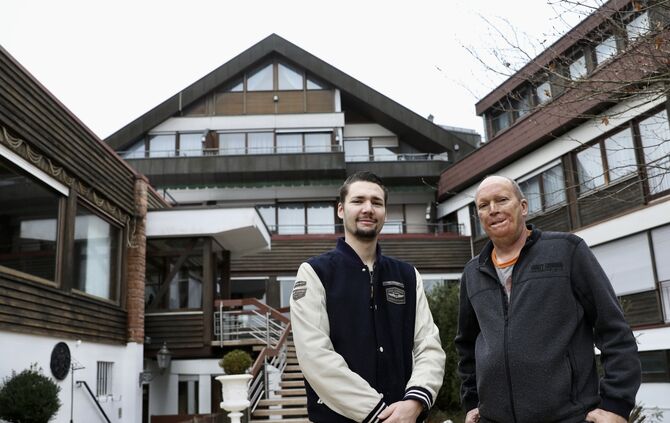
x: 289, y: 403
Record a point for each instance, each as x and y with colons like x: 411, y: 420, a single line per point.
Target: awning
x: 239, y: 230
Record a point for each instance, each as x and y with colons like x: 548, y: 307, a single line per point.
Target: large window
x: 174, y: 273
x: 299, y: 218
x: 577, y: 68
x: 162, y: 145
x: 605, y: 49
x: 97, y: 254
x: 356, y: 150
x: 543, y: 92
x: 190, y: 144
x: 232, y: 144
x: 606, y: 161
x: 655, y: 136
x: 545, y: 190
x: 29, y: 214
x: 638, y: 27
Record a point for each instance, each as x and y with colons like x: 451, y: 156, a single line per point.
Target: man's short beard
x: 367, y: 235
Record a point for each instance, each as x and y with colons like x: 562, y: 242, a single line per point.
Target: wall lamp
x: 163, y: 357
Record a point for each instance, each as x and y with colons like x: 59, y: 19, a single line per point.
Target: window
x: 522, y: 103
x: 289, y: 143
x: 395, y: 219
x: 269, y: 215
x: 320, y: 218
x: 162, y: 145
x: 577, y: 68
x: 104, y: 379
x: 291, y: 219
x: 655, y: 366
x: 543, y: 92
x: 288, y: 78
x: 314, y: 85
x: 499, y: 121
x: 135, y: 152
x: 661, y: 244
x: 261, y: 80
x: 606, y: 161
x: 655, y: 136
x: 260, y: 143
x: 232, y: 144
x: 97, y: 251
x: 638, y: 27
x: 190, y: 144
x: 356, y: 150
x: 318, y: 143
x: 300, y: 218
x: 544, y: 191
x: 605, y: 49
x: 177, y: 262
x: 29, y: 224
x: 627, y: 263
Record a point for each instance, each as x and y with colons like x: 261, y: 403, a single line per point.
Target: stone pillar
x: 137, y: 263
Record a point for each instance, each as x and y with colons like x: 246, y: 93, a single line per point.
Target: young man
x: 363, y: 332
x: 532, y: 306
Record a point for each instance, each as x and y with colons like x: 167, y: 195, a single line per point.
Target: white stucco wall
x: 125, y: 405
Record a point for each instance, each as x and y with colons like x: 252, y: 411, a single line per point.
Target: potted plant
x: 235, y: 383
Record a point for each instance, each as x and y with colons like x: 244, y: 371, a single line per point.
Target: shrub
x: 29, y: 397
x: 236, y: 362
x: 443, y: 302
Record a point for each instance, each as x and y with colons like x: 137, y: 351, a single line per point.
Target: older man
x: 533, y: 304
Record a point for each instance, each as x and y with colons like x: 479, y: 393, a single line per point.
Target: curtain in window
x: 554, y: 186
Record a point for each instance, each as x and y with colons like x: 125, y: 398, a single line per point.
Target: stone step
x: 292, y: 368
x: 292, y: 376
x: 291, y: 392
x: 302, y: 411
x: 292, y: 384
x: 283, y: 401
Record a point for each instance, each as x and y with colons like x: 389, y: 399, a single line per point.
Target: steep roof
x: 414, y: 129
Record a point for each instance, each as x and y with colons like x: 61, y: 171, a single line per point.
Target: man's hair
x: 515, y: 186
x: 362, y: 176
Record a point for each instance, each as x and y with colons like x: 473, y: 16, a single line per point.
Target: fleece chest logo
x: 546, y: 267
x: 395, y: 292
x: 299, y: 290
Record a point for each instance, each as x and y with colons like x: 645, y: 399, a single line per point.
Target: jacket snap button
x: 381, y: 349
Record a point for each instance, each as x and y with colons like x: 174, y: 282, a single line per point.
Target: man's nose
x: 367, y: 206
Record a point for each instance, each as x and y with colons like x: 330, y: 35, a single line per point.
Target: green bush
x: 29, y: 397
x: 443, y: 302
x: 236, y: 362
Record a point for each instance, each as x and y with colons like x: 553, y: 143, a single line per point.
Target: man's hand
x: 405, y: 411
x: 601, y: 416
x: 472, y: 416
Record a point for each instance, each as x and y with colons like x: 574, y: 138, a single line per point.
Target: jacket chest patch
x: 395, y: 292
x: 299, y: 290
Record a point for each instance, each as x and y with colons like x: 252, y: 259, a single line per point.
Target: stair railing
x: 262, y: 323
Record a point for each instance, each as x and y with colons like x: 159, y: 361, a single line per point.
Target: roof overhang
x: 239, y: 230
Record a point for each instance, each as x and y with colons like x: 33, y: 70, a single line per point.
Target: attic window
x: 261, y: 80
x: 314, y: 85
x: 288, y: 78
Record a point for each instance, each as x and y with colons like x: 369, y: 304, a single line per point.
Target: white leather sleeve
x: 428, y: 355
x: 342, y: 390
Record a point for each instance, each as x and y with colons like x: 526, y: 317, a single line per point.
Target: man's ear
x: 524, y: 207
x: 340, y: 210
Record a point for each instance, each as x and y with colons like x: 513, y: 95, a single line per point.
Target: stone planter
x: 235, y: 394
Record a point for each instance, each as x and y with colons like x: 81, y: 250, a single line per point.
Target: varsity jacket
x: 364, y: 338
x: 532, y: 359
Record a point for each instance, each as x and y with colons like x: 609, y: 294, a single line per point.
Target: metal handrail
x: 83, y: 382
x: 277, y: 328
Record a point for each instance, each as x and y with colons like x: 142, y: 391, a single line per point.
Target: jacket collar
x: 346, y: 250
x: 485, y: 254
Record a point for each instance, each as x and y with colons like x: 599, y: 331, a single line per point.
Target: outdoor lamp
x: 164, y: 356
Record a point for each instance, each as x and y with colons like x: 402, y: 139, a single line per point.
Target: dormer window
x: 605, y: 49
x: 577, y: 68
x: 638, y: 27
x: 543, y: 92
x: 499, y: 121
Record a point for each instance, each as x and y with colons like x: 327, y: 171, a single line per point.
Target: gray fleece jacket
x: 533, y: 360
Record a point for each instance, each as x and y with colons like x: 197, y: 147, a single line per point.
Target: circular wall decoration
x: 60, y: 360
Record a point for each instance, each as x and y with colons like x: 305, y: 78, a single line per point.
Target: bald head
x: 501, y: 179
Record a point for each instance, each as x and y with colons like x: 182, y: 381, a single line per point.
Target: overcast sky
x: 110, y: 62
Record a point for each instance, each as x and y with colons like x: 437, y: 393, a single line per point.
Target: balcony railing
x: 237, y: 151
x: 390, y: 227
x: 391, y: 157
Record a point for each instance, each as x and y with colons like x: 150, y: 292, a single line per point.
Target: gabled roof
x: 412, y: 128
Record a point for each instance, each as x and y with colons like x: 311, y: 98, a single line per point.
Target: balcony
x: 396, y: 168
x: 203, y: 167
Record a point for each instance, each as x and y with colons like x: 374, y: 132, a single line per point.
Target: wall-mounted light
x: 164, y: 358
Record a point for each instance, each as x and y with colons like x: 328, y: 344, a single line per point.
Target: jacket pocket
x: 573, y: 378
